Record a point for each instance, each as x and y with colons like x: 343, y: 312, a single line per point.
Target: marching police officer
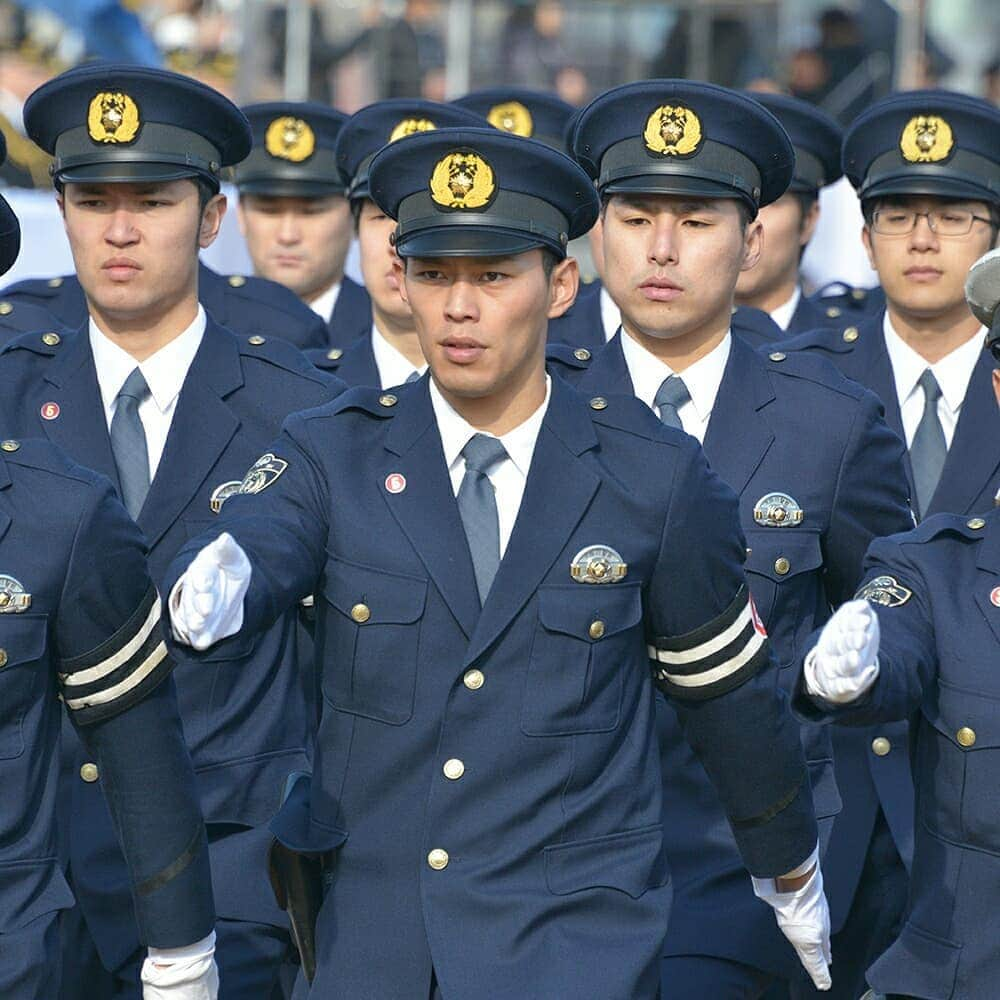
x: 80, y: 624
x: 379, y: 346
x: 526, y: 552
x: 293, y: 212
x: 682, y: 169
x: 923, y: 638
x: 173, y: 408
x: 927, y: 168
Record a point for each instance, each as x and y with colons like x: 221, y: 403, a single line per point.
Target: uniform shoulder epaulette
x: 327, y: 359
x: 812, y: 367
x: 45, y: 342
x: 377, y: 402
x: 43, y: 455
x: 969, y: 526
x: 43, y: 288
x: 279, y: 353
x: 630, y: 414
x: 577, y: 358
x: 270, y: 294
x: 822, y: 338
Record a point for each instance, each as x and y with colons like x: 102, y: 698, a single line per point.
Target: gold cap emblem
x: 673, y: 130
x: 512, y: 116
x: 410, y: 125
x: 290, y: 138
x: 462, y: 179
x: 113, y: 117
x: 926, y: 139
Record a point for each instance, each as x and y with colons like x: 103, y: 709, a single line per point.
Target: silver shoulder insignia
x: 598, y: 564
x: 222, y: 493
x: 263, y: 473
x: 13, y: 597
x: 884, y: 590
x: 778, y: 510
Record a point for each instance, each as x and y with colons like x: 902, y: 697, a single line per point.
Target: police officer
x: 80, y: 624
x: 379, y: 346
x: 526, y: 551
x: 293, y: 212
x: 773, y: 284
x: 923, y: 638
x: 676, y: 238
x: 173, y: 408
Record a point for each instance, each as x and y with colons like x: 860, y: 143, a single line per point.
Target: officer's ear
x: 399, y: 273
x: 211, y: 220
x: 564, y: 283
x: 753, y: 244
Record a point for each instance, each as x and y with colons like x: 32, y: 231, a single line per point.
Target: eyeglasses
x: 942, y: 221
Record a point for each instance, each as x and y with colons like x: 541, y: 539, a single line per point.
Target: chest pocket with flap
x: 23, y: 640
x: 579, y: 655
x: 369, y: 640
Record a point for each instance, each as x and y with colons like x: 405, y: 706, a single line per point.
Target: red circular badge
x: 395, y: 482
x: 995, y: 597
x: 757, y: 623
x: 50, y: 411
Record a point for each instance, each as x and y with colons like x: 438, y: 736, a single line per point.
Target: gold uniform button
x: 781, y: 565
x: 777, y: 355
x: 89, y: 773
x: 237, y: 281
x: 6, y: 308
x: 334, y: 354
x: 473, y: 679
x: 881, y: 746
x: 966, y: 737
x: 581, y: 354
x: 833, y: 312
x: 3, y: 658
x: 256, y: 340
x: 55, y: 282
x: 596, y: 629
x: 598, y: 403
x: 851, y: 334
x: 10, y: 446
x: 453, y: 769
x: 361, y: 613
x: 858, y: 294
x: 975, y: 523
x: 438, y: 859
x: 51, y: 339
x: 388, y: 399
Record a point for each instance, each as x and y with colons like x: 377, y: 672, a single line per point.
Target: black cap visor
x: 124, y: 172
x: 940, y: 186
x: 286, y: 188
x: 470, y: 241
x: 10, y: 237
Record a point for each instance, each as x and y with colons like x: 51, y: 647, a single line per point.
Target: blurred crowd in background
x: 351, y: 52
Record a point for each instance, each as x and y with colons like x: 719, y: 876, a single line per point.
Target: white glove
x: 843, y: 665
x: 181, y: 973
x: 206, y: 603
x: 804, y: 918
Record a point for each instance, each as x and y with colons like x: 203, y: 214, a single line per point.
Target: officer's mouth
x: 121, y: 268
x: 462, y: 350
x: 922, y: 274
x: 660, y: 289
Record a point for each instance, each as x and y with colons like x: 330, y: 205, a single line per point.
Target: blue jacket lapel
x: 807, y: 316
x: 352, y: 316
x: 427, y: 510
x: 203, y: 425
x: 357, y: 366
x: 738, y: 433
x: 608, y: 373
x: 558, y: 491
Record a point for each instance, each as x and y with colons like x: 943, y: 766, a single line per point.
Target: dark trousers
x: 697, y: 977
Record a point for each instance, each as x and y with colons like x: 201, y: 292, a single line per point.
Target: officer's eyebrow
x: 655, y: 203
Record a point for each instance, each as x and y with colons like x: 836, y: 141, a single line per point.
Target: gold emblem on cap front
x: 290, y: 138
x: 673, y: 130
x: 926, y: 139
x: 462, y: 179
x: 512, y: 116
x: 113, y: 117
x: 408, y: 126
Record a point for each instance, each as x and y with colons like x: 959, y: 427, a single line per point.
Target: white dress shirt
x: 394, y: 368
x: 702, y: 379
x: 510, y: 475
x: 323, y: 305
x: 952, y: 372
x: 164, y: 373
x: 784, y: 313
x: 611, y: 315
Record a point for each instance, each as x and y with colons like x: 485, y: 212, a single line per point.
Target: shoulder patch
x: 886, y: 591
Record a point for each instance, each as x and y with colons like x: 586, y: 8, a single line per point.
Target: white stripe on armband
x: 706, y: 649
x: 122, y: 687
x: 717, y: 673
x: 113, y: 662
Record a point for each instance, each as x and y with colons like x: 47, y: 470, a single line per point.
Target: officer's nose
x: 663, y: 237
x: 460, y: 304
x: 289, y: 230
x: 121, y: 231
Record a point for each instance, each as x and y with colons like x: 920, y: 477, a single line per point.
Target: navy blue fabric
x: 698, y: 977
x: 812, y: 313
x: 849, y: 482
x: 352, y: 315
x: 10, y: 229
x: 550, y: 114
x: 371, y: 128
x: 562, y: 721
x: 84, y: 566
x: 727, y: 117
x: 848, y: 299
x: 876, y: 133
x: 938, y: 654
x: 24, y: 316
x: 246, y: 305
x: 354, y: 365
x: 243, y: 712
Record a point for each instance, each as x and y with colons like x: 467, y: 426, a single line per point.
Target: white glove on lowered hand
x: 843, y: 665
x: 206, y: 603
x: 181, y: 973
x: 804, y: 918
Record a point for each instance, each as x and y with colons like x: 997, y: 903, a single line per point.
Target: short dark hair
x: 206, y: 192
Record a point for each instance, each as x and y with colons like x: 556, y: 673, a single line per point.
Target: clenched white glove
x: 206, y: 603
x: 843, y: 665
x: 804, y: 918
x: 181, y: 973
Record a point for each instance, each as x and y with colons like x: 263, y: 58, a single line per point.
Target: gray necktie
x: 477, y: 503
x: 414, y: 376
x: 128, y: 442
x: 929, y: 448
x: 669, y: 398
